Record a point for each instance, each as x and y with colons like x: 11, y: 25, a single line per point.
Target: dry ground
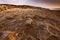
x: 28, y: 23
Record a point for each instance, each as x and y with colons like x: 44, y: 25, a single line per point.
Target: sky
x: 39, y: 3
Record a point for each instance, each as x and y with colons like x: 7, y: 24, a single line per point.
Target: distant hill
x: 8, y: 6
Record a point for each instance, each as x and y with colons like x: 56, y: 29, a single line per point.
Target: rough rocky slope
x: 28, y: 23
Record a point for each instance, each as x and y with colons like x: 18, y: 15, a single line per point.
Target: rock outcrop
x: 28, y: 23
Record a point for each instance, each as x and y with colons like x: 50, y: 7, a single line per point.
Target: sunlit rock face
x: 28, y: 23
x: 50, y: 4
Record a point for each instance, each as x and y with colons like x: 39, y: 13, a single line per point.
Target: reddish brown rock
x: 29, y: 23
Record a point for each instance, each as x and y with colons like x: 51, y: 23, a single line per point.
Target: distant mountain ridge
x: 23, y: 6
x: 2, y: 6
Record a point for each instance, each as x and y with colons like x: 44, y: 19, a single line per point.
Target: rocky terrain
x: 28, y: 23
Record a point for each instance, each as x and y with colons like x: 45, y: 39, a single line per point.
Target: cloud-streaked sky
x: 40, y: 3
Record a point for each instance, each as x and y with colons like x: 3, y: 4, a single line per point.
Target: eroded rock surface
x: 29, y: 24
